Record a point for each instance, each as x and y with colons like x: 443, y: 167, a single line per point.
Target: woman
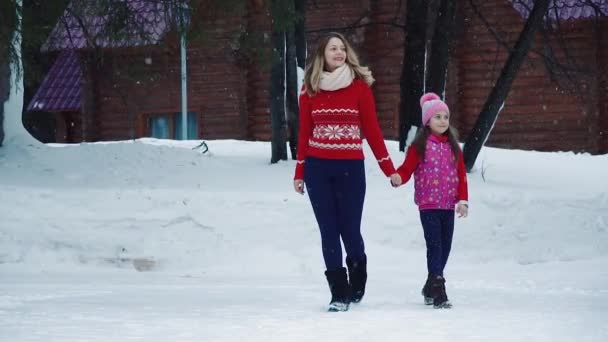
x: 336, y: 105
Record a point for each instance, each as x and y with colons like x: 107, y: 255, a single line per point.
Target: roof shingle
x: 149, y: 23
x: 566, y: 9
x: 61, y: 89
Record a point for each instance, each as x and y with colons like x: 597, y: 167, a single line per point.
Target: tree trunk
x: 14, y: 131
x: 277, y: 88
x: 5, y: 88
x: 291, y: 68
x: 498, y: 95
x: 300, y: 33
x: 8, y: 16
x: 440, y: 48
x: 296, y: 58
x: 412, y: 76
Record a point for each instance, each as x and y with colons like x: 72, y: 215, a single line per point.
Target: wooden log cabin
x: 228, y: 95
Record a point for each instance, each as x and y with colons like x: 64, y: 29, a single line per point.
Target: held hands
x: 462, y: 208
x: 396, y: 180
x: 298, y: 186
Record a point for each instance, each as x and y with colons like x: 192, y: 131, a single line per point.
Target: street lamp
x: 184, y: 23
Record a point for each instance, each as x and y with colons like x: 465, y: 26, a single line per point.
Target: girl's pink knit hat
x: 431, y: 104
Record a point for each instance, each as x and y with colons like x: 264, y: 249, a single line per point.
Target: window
x: 192, y: 126
x: 169, y: 126
x: 159, y: 127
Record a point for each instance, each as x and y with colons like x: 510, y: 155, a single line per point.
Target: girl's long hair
x: 312, y: 75
x: 423, y: 134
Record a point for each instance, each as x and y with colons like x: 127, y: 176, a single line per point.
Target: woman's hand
x: 395, y: 180
x: 298, y: 186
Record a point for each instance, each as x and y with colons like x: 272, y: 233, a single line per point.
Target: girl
x: 436, y: 161
x: 335, y: 106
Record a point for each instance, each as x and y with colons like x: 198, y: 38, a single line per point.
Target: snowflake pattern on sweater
x: 336, y: 132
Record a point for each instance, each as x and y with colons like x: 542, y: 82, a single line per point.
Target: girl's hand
x: 298, y: 186
x: 395, y: 180
x: 462, y: 209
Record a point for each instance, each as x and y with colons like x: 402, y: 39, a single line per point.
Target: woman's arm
x: 371, y: 129
x: 305, y: 131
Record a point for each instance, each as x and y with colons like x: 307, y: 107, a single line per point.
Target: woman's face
x: 335, y: 54
x: 439, y: 123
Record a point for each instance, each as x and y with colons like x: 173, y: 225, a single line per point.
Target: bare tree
x: 440, y: 47
x: 286, y: 40
x: 567, y: 73
x: 277, y: 83
x: 10, y: 11
x: 300, y: 32
x: 412, y: 75
x: 295, y: 58
x: 495, y: 101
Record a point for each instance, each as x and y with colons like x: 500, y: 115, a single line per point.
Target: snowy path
x: 518, y: 303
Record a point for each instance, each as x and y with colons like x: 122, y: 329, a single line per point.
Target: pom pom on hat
x: 428, y: 97
x: 431, y: 104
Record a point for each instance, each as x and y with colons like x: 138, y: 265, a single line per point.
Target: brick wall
x: 258, y: 74
x: 384, y: 51
x: 219, y: 79
x: 124, y: 95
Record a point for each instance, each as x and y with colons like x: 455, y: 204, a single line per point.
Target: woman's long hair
x: 423, y: 134
x: 312, y: 76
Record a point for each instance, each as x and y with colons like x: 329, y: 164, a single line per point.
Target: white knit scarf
x: 340, y: 78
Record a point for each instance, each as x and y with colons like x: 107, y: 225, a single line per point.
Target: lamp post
x: 184, y: 22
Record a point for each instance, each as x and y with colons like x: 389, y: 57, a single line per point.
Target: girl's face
x: 335, y: 54
x: 439, y: 123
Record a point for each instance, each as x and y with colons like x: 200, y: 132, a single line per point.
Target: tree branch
x: 509, y: 49
x: 330, y: 29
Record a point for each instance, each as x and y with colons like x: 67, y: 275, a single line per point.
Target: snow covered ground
x: 235, y: 253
